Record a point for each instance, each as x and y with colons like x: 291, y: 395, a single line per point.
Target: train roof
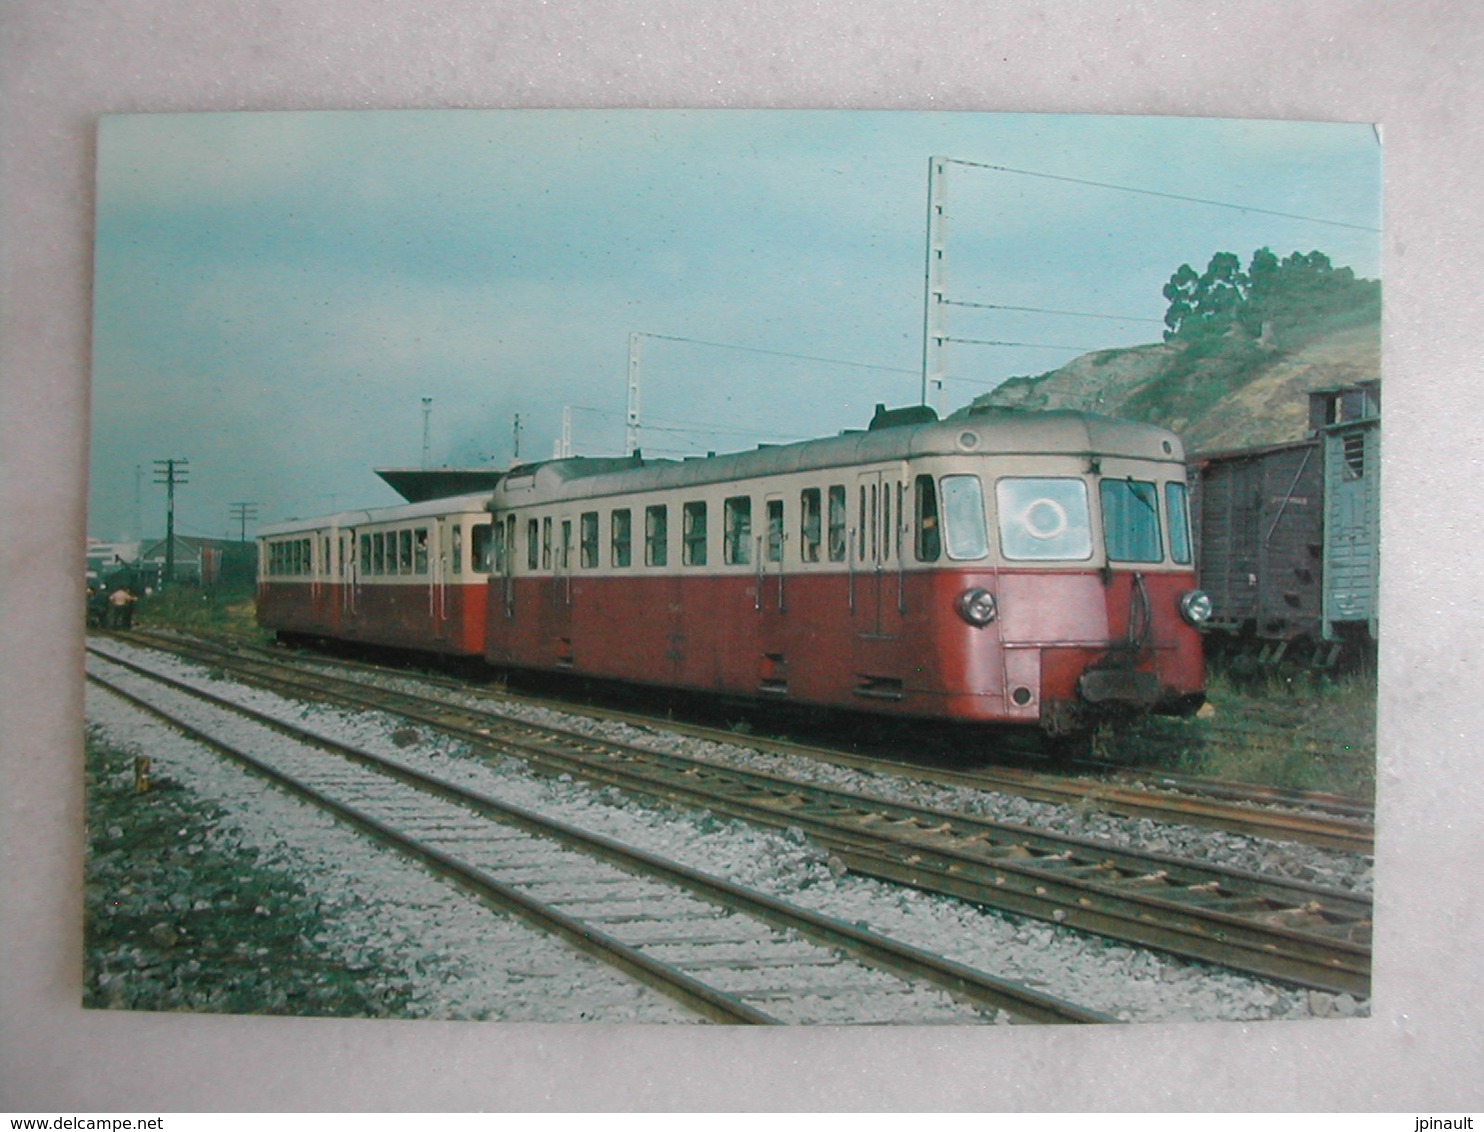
x: 984, y: 432
x: 425, y: 509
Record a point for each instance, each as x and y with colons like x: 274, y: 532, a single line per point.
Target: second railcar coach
x: 414, y: 576
x: 1028, y: 568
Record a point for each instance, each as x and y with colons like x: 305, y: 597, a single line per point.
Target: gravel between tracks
x: 419, y: 950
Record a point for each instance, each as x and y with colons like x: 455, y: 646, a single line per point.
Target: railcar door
x: 772, y: 598
x: 876, y: 597
x: 556, y: 612
x: 876, y: 554
x: 438, y: 576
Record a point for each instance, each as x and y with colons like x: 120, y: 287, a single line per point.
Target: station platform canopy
x: 418, y: 485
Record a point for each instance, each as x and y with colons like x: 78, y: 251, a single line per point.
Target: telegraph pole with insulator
x: 427, y: 415
x: 242, y: 512
x: 173, y: 472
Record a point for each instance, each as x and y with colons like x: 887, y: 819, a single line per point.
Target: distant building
x: 105, y: 558
x: 202, y: 561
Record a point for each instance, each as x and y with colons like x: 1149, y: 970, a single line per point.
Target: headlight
x: 1195, y: 606
x: 976, y: 606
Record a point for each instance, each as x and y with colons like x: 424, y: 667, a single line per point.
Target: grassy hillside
x: 1233, y: 390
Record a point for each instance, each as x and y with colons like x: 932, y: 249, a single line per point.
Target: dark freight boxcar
x: 1288, y: 535
x: 1261, y: 539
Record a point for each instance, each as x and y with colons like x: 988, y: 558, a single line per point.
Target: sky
x: 276, y: 294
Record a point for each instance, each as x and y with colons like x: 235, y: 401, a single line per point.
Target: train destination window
x: 775, y: 530
x: 929, y: 540
x: 589, y: 540
x: 693, y: 534
x: 736, y: 547
x: 533, y: 545
x: 622, y: 536
x: 1044, y: 519
x: 837, y: 523
x: 480, y: 550
x: 1178, y: 508
x: 656, y: 536
x: 1131, y: 521
x: 810, y: 530
x: 964, y: 533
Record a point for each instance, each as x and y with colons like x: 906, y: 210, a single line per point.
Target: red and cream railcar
x: 1030, y: 568
x: 414, y: 576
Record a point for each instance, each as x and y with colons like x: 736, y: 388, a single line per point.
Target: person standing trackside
x: 121, y: 608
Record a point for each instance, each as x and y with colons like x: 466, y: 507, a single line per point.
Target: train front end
x: 1070, y: 569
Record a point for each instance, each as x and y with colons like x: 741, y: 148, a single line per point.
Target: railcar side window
x: 404, y: 560
x: 1131, y: 521
x: 378, y: 552
x: 963, y: 517
x: 736, y: 545
x: 588, y: 543
x: 420, y: 550
x: 546, y: 543
x: 656, y: 536
x: 1044, y: 520
x: 929, y: 541
x: 500, y: 551
x: 365, y: 554
x: 810, y: 529
x: 837, y: 523
x: 533, y: 545
x: 456, y: 548
x: 622, y: 537
x: 481, y: 552
x: 1178, y: 507
x: 693, y: 534
x: 775, y: 530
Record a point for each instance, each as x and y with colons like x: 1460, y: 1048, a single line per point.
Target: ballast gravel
x: 421, y: 949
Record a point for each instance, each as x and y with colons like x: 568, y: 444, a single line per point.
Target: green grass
x: 181, y: 916
x: 221, y: 612
x: 1298, y: 728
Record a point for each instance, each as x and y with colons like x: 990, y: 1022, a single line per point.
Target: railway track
x: 728, y: 953
x: 1327, y: 821
x: 1293, y: 932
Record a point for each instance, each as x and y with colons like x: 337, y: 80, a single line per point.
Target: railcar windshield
x: 965, y: 536
x: 1177, y: 505
x: 1131, y: 520
x: 1044, y: 519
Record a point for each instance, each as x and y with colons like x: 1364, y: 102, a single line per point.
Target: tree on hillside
x: 1272, y: 296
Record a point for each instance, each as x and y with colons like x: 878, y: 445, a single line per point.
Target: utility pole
x: 174, y: 472
x: 242, y: 512
x: 631, y: 417
x: 427, y: 413
x: 933, y: 334
x: 516, y: 432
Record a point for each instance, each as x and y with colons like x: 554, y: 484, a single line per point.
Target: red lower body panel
x: 888, y: 642
x: 442, y: 619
